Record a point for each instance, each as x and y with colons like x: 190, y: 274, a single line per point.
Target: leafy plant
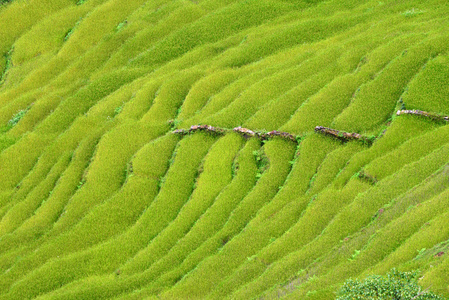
x: 261, y: 161
x: 118, y: 110
x: 121, y: 25
x: 174, y: 123
x: 81, y: 183
x: 412, y: 12
x: 17, y: 117
x: 354, y: 256
x: 395, y: 285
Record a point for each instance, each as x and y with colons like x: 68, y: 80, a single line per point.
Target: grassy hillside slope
x: 99, y: 199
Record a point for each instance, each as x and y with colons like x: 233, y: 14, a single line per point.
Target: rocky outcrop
x: 343, y: 136
x: 245, y: 132
x: 281, y: 134
x: 426, y: 114
x: 194, y: 128
x: 248, y: 133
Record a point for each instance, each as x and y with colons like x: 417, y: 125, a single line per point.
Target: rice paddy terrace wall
x: 328, y: 157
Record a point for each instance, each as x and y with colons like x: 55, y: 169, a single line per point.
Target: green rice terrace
x: 221, y: 149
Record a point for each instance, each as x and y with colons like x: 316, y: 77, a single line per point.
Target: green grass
x: 425, y: 92
x: 387, y: 88
x: 215, y: 266
x: 98, y: 199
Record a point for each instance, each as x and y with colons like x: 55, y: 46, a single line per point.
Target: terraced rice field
x: 99, y: 199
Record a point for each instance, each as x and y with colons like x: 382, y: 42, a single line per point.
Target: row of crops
x: 99, y: 199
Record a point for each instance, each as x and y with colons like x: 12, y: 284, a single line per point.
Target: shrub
x: 396, y: 285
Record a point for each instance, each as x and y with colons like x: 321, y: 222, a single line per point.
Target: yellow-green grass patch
x: 321, y: 108
x: 76, y: 105
x: 429, y: 91
x: 375, y: 101
x: 269, y: 88
x: 215, y: 266
x: 17, y: 17
x: 406, y: 153
x: 211, y: 28
x: 279, y: 254
x: 203, y: 90
x: 51, y: 209
x: 138, y: 190
x: 214, y: 219
x: 215, y: 175
x: 106, y: 257
x: 399, y: 131
x: 24, y: 209
x: 278, y: 111
x: 163, y: 18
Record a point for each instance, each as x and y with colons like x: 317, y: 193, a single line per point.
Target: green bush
x: 396, y: 285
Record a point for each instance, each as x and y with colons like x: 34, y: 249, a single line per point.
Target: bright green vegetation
x: 98, y: 199
x: 396, y: 285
